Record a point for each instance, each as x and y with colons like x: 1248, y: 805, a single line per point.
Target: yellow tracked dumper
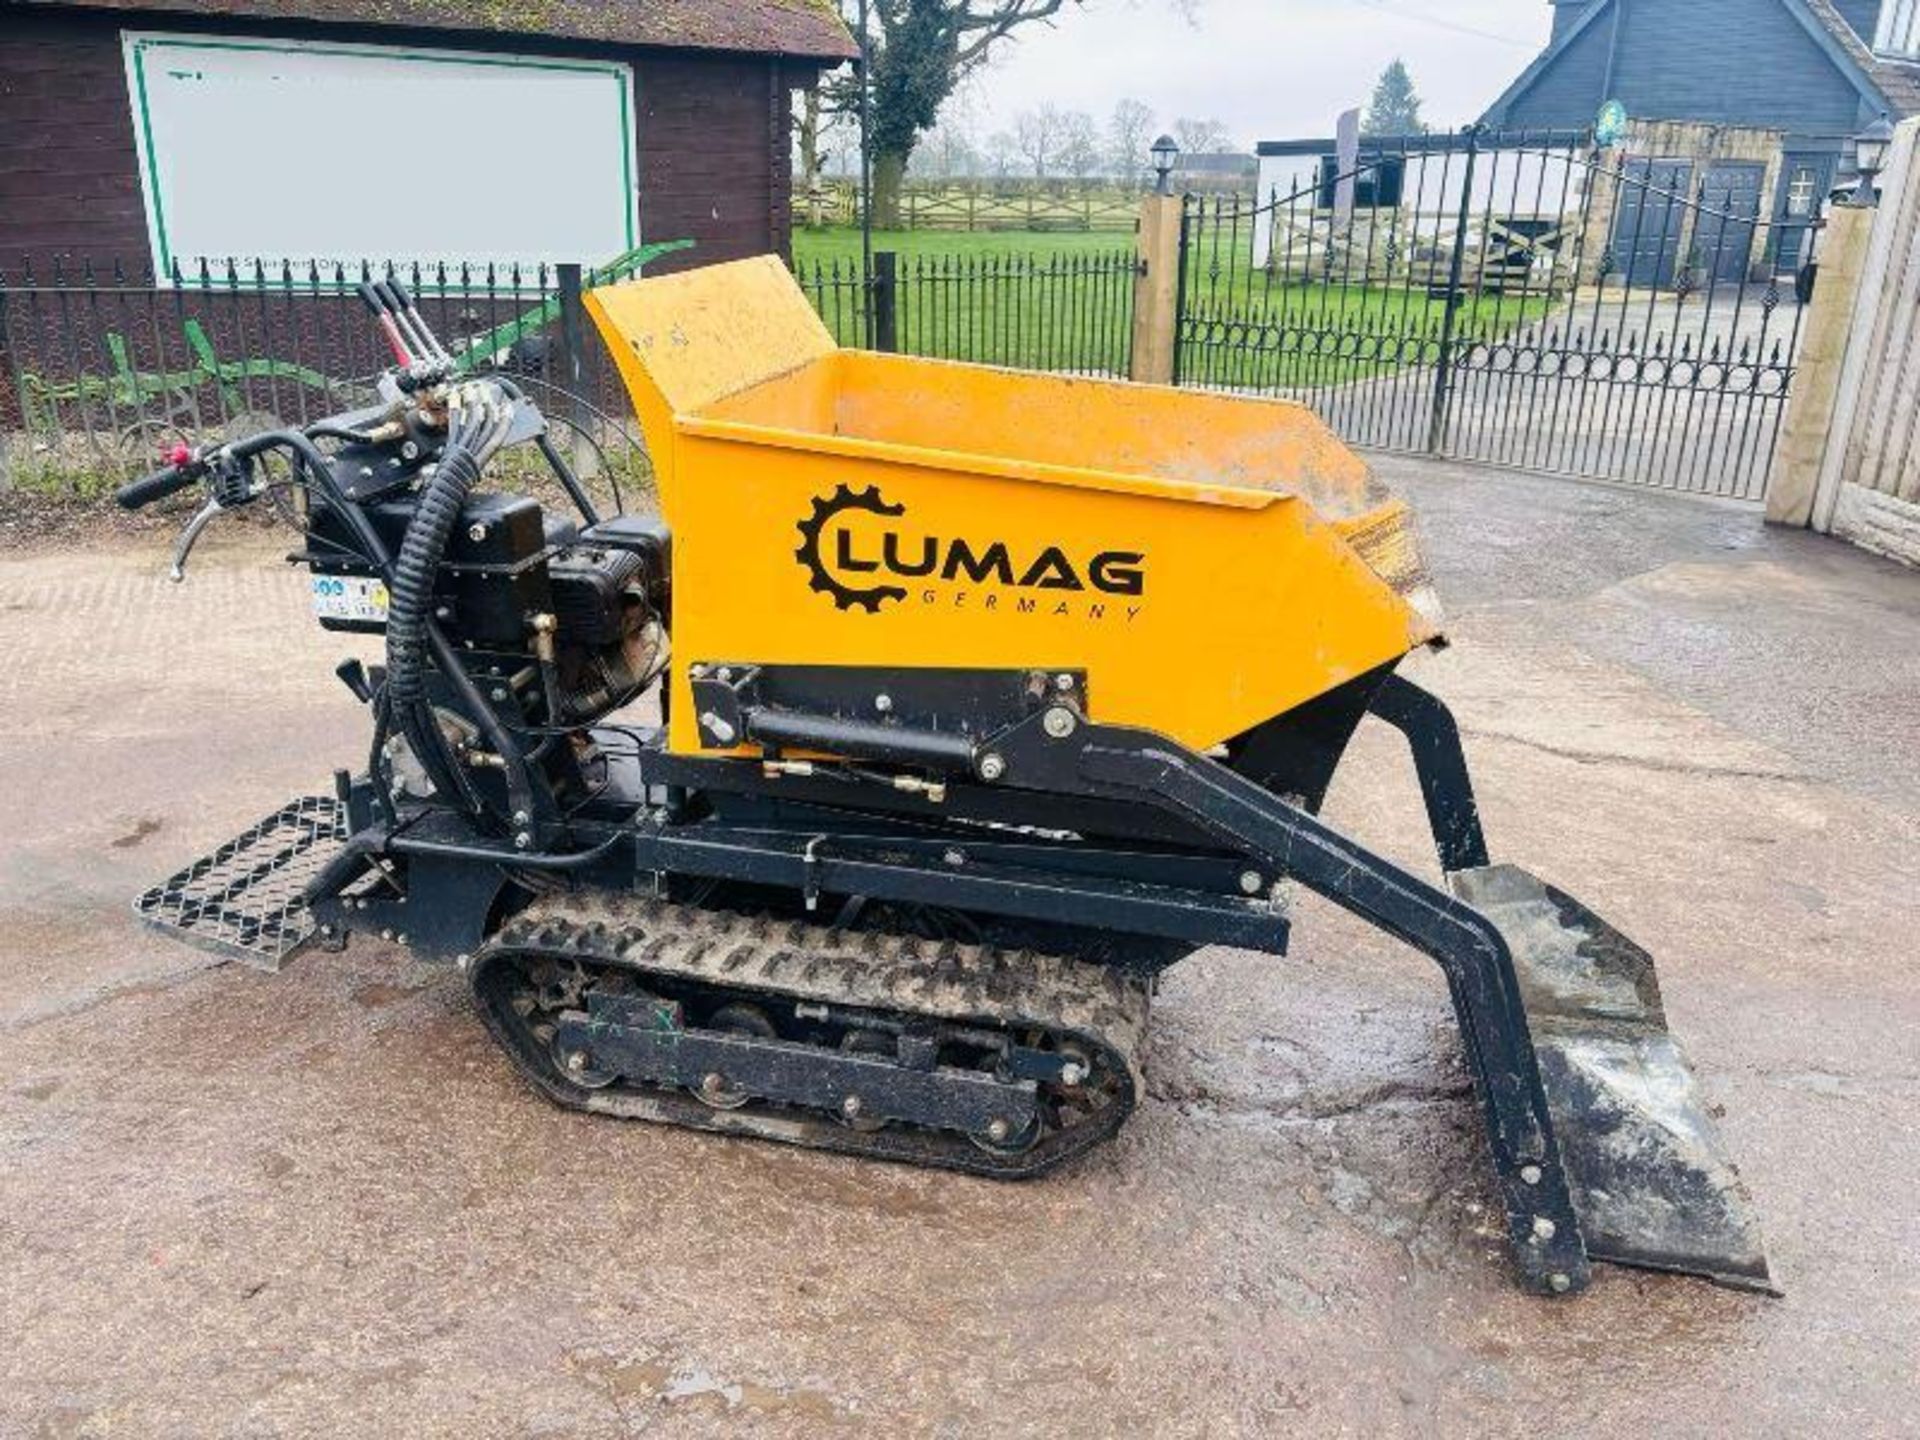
x: 988, y: 696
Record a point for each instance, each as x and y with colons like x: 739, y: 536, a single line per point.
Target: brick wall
x: 712, y: 139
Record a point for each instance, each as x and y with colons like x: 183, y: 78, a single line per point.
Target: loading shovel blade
x: 1651, y: 1181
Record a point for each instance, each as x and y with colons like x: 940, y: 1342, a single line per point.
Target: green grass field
x: 1063, y: 302
x: 1042, y: 301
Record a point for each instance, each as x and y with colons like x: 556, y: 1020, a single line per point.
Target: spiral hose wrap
x: 410, y: 598
x: 475, y: 432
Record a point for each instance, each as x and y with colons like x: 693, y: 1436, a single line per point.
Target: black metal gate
x: 1516, y: 299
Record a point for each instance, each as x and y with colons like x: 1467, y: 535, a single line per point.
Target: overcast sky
x: 1268, y: 68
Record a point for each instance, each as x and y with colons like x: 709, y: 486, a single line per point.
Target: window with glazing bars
x: 1899, y: 32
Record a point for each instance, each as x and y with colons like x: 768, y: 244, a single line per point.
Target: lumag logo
x: 863, y: 552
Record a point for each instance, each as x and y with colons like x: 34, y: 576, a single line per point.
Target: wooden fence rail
x: 1031, y: 206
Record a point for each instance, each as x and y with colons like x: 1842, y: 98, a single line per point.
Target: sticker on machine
x: 864, y: 552
x: 349, y: 597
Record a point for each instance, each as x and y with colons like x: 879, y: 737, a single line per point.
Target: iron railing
x: 1070, y: 312
x: 102, y: 366
x: 1522, y: 300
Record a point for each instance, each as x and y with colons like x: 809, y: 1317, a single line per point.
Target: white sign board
x: 277, y: 150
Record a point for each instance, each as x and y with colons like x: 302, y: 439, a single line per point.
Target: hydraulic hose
x: 474, y: 436
x: 414, y: 572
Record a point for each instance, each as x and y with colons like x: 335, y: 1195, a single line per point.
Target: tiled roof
x: 804, y: 28
x: 1899, y: 82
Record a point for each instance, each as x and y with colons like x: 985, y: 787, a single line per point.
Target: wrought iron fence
x: 842, y: 295
x: 1042, y: 312
x: 1522, y: 300
x: 102, y: 366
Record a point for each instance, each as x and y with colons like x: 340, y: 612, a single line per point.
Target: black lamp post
x: 1870, y: 148
x: 1165, y: 151
x: 866, y: 176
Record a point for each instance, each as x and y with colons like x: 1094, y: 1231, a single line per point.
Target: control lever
x: 353, y: 674
x: 190, y: 536
x: 232, y: 485
x: 371, y: 296
x: 417, y: 323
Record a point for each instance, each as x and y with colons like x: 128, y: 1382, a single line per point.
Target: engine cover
x: 594, y: 593
x: 492, y: 578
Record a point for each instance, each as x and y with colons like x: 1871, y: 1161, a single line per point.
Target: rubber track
x: 870, y: 970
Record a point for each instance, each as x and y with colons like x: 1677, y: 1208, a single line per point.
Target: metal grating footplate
x: 245, y: 900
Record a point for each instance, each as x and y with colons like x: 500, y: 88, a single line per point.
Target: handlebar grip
x: 370, y: 297
x: 157, y: 486
x: 399, y: 293
x: 385, y: 290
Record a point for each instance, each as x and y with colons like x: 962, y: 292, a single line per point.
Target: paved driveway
x: 319, y: 1203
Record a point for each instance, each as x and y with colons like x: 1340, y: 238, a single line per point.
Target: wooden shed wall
x: 712, y: 140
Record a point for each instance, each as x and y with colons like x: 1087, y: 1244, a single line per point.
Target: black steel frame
x: 1143, y: 768
x: 1191, y: 893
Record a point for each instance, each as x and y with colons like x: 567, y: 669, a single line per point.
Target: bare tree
x: 1129, y: 132
x: 812, y: 161
x: 1202, y: 137
x: 1037, y: 133
x: 1002, y: 153
x: 945, y: 151
x: 920, y: 50
x: 839, y: 142
x: 1079, y: 148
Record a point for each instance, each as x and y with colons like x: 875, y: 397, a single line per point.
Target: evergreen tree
x: 1394, y: 109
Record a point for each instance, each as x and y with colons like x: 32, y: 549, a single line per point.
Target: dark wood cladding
x: 714, y: 164
x: 712, y: 140
x: 67, y: 176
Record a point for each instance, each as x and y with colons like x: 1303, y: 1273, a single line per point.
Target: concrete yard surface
x: 320, y: 1203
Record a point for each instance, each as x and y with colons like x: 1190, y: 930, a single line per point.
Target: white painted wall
x: 1518, y: 182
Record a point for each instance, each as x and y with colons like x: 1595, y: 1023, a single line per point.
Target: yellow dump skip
x: 1210, y: 561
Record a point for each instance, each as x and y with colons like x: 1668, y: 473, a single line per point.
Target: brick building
x: 147, y: 128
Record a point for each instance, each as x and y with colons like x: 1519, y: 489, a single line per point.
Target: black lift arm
x: 1149, y: 769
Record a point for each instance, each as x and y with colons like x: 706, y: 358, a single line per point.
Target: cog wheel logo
x: 845, y: 597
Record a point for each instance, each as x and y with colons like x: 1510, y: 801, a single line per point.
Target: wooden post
x: 1156, y: 289
x: 1808, y: 428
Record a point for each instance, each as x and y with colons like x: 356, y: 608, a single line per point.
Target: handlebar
x: 168, y: 480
